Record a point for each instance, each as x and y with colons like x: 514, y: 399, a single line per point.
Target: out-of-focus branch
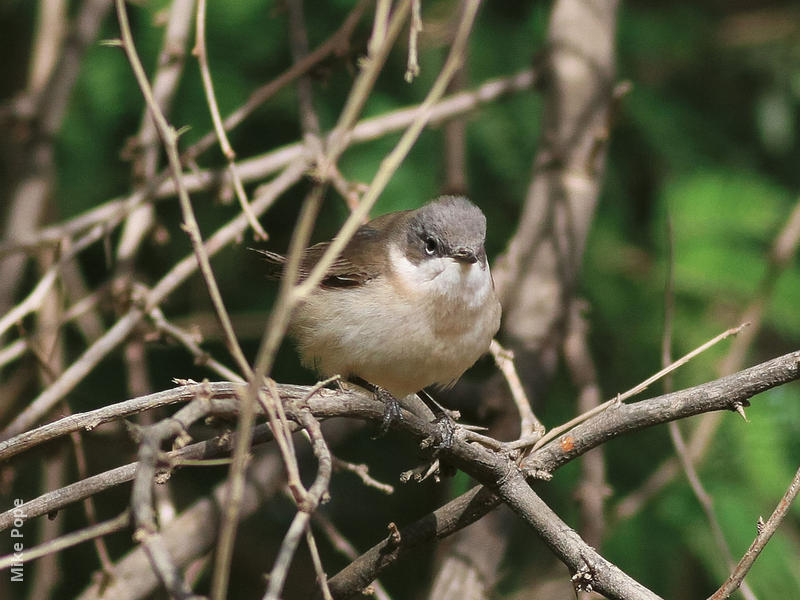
x: 36, y: 167
x: 193, y: 533
x: 261, y: 166
x: 171, y: 61
x: 537, y: 274
x: 290, y: 294
x: 208, y: 87
x: 124, y: 326
x: 169, y: 137
x: 67, y: 541
x: 298, y: 37
x: 48, y: 42
x: 593, y: 488
x: 675, y: 434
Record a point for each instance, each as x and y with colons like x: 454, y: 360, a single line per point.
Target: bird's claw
x: 392, y: 412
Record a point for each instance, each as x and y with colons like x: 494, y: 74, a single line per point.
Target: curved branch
x: 493, y: 469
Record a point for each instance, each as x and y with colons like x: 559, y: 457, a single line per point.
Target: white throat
x: 467, y: 283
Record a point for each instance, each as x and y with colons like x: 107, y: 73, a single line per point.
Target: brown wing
x: 359, y: 262
x: 343, y: 273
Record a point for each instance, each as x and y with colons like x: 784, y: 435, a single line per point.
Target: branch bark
x: 501, y: 474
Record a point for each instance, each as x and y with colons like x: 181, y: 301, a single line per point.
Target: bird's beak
x: 465, y: 255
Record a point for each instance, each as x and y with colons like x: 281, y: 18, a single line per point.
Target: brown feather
x: 362, y: 259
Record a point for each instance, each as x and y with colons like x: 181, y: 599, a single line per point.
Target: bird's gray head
x: 450, y: 226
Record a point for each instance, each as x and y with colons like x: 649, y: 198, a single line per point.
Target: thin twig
x: 208, y: 87
x: 298, y: 36
x: 530, y: 428
x: 288, y: 296
x: 322, y: 578
x: 201, y: 357
x: 34, y: 300
x: 703, y: 497
x: 553, y: 433
x: 169, y: 138
x: 68, y: 541
x: 75, y: 373
x: 362, y: 471
x: 315, y: 495
x: 765, y: 531
x: 170, y: 63
x: 412, y: 67
x: 272, y: 406
x: 334, y: 44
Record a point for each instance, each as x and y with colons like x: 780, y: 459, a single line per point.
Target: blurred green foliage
x: 706, y: 139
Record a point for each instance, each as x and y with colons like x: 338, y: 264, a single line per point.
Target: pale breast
x: 404, y: 332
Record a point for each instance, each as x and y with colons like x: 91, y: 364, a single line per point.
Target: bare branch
x: 258, y: 167
x: 68, y: 541
x: 556, y: 431
x: 530, y: 428
x: 169, y: 138
x: 318, y: 489
x: 716, y: 395
x: 593, y: 488
x: 721, y: 394
x: 208, y: 87
x: 288, y: 296
x: 765, y: 531
x: 125, y: 325
x: 675, y: 434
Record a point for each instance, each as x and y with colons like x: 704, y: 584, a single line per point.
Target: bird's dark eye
x: 430, y: 245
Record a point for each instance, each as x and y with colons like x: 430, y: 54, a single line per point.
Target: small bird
x: 409, y: 303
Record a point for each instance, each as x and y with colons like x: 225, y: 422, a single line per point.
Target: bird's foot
x: 392, y: 411
x: 446, y: 429
x: 444, y: 422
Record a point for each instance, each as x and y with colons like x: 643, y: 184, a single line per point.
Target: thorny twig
x: 784, y: 247
x: 765, y: 531
x: 553, y: 433
x: 703, y: 497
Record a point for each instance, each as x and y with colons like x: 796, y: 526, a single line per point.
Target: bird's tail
x: 275, y: 262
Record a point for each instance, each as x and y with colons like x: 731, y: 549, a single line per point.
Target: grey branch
x: 501, y: 474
